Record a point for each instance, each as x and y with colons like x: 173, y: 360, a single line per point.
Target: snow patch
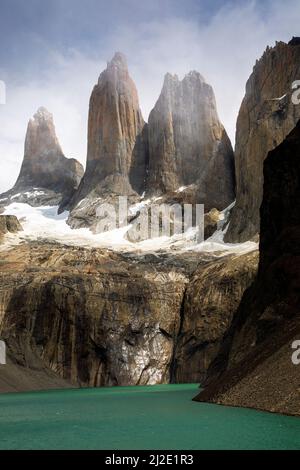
x: 278, y: 99
x: 29, y: 194
x: 181, y: 189
x: 133, y: 210
x: 43, y: 223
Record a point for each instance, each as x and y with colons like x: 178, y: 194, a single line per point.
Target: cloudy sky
x: 52, y: 52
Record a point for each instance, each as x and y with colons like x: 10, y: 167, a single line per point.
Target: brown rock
x: 184, y: 144
x: 266, y: 117
x: 115, y: 122
x: 9, y: 224
x: 212, y: 297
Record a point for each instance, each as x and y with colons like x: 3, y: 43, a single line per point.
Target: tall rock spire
x: 44, y: 164
x: 115, y: 121
x: 187, y: 143
x: 184, y: 144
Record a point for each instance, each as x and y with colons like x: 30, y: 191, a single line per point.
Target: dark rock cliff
x: 254, y: 367
x: 95, y: 317
x: 267, y: 115
x: 212, y: 297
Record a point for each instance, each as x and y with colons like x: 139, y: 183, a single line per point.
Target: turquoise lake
x: 152, y: 417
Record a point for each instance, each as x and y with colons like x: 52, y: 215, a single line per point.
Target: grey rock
x: 46, y: 176
x: 188, y: 145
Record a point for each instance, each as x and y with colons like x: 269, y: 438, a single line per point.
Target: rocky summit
x: 117, y: 142
x: 188, y: 145
x: 267, y: 115
x: 46, y: 176
x: 115, y: 122
x: 184, y: 146
x: 254, y: 367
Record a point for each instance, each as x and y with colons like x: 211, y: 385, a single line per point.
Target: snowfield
x: 43, y: 223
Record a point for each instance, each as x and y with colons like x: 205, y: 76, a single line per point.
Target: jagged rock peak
x: 114, y: 127
x: 273, y: 50
x: 44, y: 166
x: 188, y: 145
x: 119, y: 60
x: 170, y: 83
x: 117, y: 72
x: 170, y: 78
x: 192, y: 76
x: 295, y: 41
x: 41, y: 139
x: 42, y: 114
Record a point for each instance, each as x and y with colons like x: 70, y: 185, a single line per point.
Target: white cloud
x: 224, y: 50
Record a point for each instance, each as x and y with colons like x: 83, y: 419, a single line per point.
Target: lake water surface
x: 156, y: 417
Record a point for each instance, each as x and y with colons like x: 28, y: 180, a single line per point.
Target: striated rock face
x: 212, y: 297
x: 115, y: 123
x: 45, y: 170
x: 266, y: 117
x: 254, y: 367
x: 184, y: 145
x: 188, y: 144
x: 95, y: 317
x: 117, y: 145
